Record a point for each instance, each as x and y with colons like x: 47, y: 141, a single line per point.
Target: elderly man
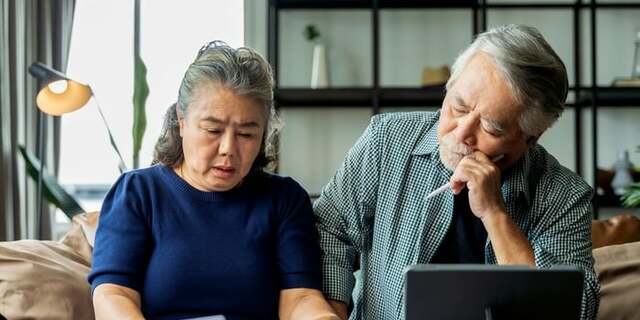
x: 510, y: 201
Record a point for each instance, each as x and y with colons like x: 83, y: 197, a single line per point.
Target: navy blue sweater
x: 191, y: 253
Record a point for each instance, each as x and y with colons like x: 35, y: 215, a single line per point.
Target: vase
x: 636, y: 57
x: 622, y: 176
x: 319, y: 72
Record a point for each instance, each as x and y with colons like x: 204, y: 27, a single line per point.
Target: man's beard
x: 451, y: 153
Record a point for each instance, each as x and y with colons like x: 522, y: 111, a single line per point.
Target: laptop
x: 491, y: 292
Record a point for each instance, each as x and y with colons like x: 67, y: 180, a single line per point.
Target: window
x: 101, y: 54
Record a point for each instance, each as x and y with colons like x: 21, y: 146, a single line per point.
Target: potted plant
x: 319, y: 73
x: 631, y: 197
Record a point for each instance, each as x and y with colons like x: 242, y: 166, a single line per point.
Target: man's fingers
x: 482, y: 158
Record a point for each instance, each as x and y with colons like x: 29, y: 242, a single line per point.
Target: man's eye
x: 246, y: 135
x: 459, y: 109
x: 213, y: 131
x: 491, y: 132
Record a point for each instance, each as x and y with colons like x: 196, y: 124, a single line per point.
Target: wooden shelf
x: 359, y: 97
x: 607, y: 200
x: 369, y: 4
x: 611, y: 97
x: 339, y: 97
x: 363, y: 97
x: 443, y: 4
x: 324, y: 4
x: 412, y: 97
x: 433, y: 4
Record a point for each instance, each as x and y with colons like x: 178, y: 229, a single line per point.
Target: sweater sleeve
x: 123, y: 238
x: 298, y: 251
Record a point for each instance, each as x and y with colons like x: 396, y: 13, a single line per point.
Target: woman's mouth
x: 223, y: 172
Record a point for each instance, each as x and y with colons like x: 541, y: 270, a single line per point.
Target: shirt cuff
x: 337, y: 283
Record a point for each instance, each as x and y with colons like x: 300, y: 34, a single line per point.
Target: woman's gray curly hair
x: 243, y: 71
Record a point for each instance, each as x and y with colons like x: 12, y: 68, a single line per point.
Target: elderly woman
x: 205, y: 232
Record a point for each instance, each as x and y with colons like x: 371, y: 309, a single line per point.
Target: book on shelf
x: 626, y: 82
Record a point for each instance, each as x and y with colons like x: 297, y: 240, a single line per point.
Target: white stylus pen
x: 447, y: 185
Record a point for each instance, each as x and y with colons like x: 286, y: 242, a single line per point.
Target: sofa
x: 47, y: 279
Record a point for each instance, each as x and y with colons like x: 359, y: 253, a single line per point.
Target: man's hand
x: 482, y: 178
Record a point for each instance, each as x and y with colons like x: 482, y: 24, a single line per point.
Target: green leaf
x: 631, y: 198
x: 140, y: 93
x: 51, y: 189
x: 311, y: 32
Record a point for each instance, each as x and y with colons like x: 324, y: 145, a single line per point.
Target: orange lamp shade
x: 59, y: 102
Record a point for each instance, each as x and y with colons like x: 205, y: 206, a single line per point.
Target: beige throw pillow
x: 48, y: 279
x: 618, y: 269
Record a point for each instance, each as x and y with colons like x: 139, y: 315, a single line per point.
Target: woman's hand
x: 305, y: 304
x: 112, y: 301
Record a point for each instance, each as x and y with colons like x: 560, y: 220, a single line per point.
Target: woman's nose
x: 227, y: 144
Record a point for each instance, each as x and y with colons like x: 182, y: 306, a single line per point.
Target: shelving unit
x: 376, y: 96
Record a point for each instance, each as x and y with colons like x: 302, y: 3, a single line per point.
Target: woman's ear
x: 180, y: 117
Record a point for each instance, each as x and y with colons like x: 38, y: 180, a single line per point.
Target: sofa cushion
x: 43, y: 280
x: 615, y: 230
x: 618, y: 270
x: 48, y: 279
x: 82, y: 234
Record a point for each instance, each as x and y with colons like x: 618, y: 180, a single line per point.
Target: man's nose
x: 467, y: 130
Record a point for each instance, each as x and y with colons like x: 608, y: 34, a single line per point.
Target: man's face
x: 479, y: 113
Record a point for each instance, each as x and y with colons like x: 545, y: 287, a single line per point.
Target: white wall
x: 314, y: 139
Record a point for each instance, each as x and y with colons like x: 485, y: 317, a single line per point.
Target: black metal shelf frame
x: 375, y: 97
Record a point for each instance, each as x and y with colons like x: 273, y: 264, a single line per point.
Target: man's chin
x: 449, y: 162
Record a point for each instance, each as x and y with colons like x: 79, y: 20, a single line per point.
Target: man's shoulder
x: 554, y: 177
x: 412, y: 119
x: 402, y: 125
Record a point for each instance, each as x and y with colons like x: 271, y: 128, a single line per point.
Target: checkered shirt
x: 374, y: 208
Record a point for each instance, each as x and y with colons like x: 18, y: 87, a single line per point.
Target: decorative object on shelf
x: 622, y: 177
x: 435, y: 76
x: 631, y: 197
x: 634, y: 81
x: 635, y: 74
x: 319, y: 70
x: 626, y: 82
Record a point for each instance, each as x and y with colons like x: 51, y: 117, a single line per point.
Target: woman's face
x: 221, y: 138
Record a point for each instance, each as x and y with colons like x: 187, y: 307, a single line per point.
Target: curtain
x: 30, y: 30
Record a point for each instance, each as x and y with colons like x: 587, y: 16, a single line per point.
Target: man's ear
x: 532, y: 140
x: 180, y: 116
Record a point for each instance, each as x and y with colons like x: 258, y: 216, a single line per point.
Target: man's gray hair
x: 243, y: 71
x: 535, y: 73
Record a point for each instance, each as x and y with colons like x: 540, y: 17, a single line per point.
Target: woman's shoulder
x: 142, y: 178
x: 152, y: 172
